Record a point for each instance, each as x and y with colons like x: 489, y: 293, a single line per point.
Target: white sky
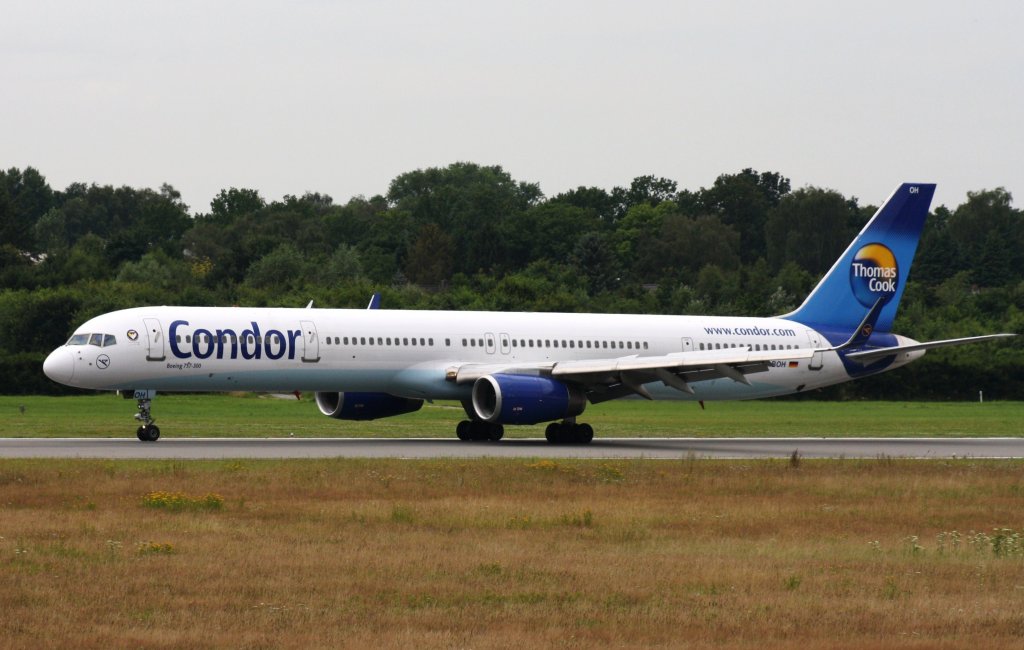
x: 342, y: 96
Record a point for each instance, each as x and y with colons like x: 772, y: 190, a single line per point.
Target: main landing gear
x: 567, y: 432
x: 479, y: 430
x: 148, y: 432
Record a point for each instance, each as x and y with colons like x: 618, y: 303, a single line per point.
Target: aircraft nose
x: 60, y: 366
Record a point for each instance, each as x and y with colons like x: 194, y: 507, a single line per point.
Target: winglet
x: 374, y: 301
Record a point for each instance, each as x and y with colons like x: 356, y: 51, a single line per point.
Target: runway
x: 422, y: 448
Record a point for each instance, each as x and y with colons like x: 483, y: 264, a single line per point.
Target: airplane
x: 516, y: 368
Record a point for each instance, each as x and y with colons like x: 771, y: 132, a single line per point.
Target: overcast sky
x: 340, y: 97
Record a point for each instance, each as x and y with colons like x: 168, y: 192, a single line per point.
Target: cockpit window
x: 99, y: 340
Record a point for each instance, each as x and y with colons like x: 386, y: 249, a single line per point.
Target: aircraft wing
x: 606, y: 379
x: 866, y: 356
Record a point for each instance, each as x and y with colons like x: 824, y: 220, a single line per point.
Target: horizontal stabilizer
x: 867, y: 356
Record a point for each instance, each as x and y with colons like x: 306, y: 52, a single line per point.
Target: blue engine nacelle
x: 525, y: 399
x: 364, y: 406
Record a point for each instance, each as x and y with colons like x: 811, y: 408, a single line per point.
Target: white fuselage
x: 408, y: 353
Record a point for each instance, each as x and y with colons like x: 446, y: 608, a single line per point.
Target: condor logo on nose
x: 874, y: 274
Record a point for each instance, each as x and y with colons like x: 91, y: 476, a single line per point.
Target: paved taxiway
x: 663, y: 448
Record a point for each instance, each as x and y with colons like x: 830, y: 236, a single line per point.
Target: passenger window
x: 481, y: 342
x: 422, y: 341
x: 572, y: 344
x: 345, y: 340
x: 431, y: 342
x: 371, y: 340
x: 405, y: 341
x: 328, y: 340
x: 414, y: 342
x: 472, y: 343
x: 463, y: 342
x: 515, y: 343
x: 645, y: 345
x: 629, y: 344
x: 556, y: 343
x: 188, y: 338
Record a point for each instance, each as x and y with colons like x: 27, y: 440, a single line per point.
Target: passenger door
x: 310, y: 342
x: 155, y: 337
x: 817, y: 361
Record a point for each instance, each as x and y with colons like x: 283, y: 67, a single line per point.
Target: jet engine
x: 525, y: 399
x: 364, y: 406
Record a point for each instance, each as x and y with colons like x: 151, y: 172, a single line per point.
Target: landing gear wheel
x: 495, y: 432
x: 552, y: 433
x: 479, y: 430
x: 584, y: 434
x: 148, y: 433
x: 569, y: 433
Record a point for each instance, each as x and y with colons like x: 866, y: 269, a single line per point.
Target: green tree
x: 234, y: 202
x: 743, y: 201
x: 809, y: 227
x: 430, y: 257
x: 467, y: 201
x: 25, y: 197
x: 989, y: 235
x: 280, y: 269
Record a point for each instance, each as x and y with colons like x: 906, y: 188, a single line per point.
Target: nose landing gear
x: 148, y: 432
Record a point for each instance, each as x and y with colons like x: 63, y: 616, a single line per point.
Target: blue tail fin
x: 874, y: 268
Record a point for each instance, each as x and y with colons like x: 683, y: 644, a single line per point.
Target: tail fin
x: 874, y: 268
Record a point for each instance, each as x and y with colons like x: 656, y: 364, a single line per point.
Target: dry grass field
x: 495, y: 554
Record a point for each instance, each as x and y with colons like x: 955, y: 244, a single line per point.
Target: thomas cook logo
x: 874, y: 274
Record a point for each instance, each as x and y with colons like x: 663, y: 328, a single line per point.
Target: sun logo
x: 874, y: 274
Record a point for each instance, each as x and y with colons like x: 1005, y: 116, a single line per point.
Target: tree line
x: 468, y: 237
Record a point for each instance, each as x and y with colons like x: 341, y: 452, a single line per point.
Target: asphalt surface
x: 660, y: 448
